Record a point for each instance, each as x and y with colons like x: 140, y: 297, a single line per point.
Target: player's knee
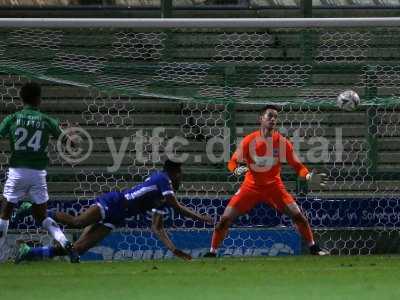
x: 6, y: 210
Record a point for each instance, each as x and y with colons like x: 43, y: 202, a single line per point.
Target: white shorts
x: 23, y: 182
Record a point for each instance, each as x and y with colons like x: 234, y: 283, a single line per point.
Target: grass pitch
x: 304, y: 277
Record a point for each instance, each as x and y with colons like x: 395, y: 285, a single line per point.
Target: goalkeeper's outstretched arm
x: 157, y: 227
x: 313, y: 178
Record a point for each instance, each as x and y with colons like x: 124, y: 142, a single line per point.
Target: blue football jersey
x: 149, y: 194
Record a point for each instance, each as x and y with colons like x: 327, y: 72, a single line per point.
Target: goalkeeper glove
x: 239, y: 171
x: 315, y: 179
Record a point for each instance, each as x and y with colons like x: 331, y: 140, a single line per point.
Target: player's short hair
x: 268, y: 106
x: 170, y: 165
x: 30, y: 92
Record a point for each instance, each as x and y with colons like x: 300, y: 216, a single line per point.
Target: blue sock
x: 42, y: 252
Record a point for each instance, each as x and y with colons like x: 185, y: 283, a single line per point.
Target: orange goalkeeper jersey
x: 263, y: 156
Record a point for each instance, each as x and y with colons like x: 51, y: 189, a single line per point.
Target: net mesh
x: 193, y: 94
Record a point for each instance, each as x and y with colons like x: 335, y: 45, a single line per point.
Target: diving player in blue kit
x: 111, y: 209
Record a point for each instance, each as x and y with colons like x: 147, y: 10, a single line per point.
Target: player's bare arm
x: 158, y: 228
x: 187, y: 212
x: 313, y: 178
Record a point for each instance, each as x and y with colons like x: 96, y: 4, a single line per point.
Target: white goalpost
x: 233, y: 23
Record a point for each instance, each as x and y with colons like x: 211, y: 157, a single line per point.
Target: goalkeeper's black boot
x: 210, y: 254
x: 316, y: 250
x: 73, y: 255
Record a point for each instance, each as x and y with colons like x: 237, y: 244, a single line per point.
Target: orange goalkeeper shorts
x: 248, y: 196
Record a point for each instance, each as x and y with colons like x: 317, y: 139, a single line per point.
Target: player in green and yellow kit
x: 28, y: 131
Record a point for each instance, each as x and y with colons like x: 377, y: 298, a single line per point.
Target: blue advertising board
x: 321, y: 212
x: 141, y: 244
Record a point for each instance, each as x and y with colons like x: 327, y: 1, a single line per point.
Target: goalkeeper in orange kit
x: 262, y: 152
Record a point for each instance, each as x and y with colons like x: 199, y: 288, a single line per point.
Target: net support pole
x: 308, y: 58
x: 230, y: 115
x: 306, y: 8
x: 371, y: 92
x: 166, y: 8
x: 372, y: 131
x: 307, y: 46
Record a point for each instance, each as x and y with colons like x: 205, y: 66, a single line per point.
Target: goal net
x: 141, y: 91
